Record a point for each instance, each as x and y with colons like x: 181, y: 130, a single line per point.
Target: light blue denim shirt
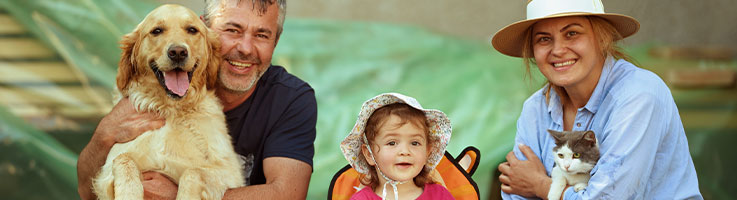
x: 644, y: 152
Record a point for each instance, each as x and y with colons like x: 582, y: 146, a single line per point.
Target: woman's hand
x: 524, y: 177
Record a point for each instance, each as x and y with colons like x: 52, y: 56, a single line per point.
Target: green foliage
x: 84, y: 32
x: 30, y: 159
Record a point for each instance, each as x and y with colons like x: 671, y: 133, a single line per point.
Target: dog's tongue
x: 177, y: 81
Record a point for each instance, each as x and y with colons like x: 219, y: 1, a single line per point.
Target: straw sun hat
x: 440, y: 130
x: 510, y: 39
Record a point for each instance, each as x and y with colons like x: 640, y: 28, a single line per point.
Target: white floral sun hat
x: 440, y: 130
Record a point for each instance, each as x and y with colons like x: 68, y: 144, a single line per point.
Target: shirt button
x: 578, y: 124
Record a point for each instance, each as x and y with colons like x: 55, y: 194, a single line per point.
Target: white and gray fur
x: 570, y: 169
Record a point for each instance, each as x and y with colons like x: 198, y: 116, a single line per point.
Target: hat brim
x: 510, y: 39
x: 439, y: 124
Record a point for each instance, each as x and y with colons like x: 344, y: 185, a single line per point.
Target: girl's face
x: 567, y: 52
x: 401, y: 151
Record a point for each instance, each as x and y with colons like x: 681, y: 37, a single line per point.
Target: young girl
x: 396, y: 143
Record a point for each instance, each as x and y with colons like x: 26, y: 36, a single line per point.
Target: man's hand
x: 156, y: 186
x: 124, y: 123
x: 525, y: 178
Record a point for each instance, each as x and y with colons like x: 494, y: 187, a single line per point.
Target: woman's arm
x: 523, y: 176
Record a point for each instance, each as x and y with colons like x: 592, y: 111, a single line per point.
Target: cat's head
x: 575, y: 151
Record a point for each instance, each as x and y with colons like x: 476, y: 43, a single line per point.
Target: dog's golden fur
x: 193, y: 148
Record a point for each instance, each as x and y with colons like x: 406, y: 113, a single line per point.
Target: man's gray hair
x: 211, y: 7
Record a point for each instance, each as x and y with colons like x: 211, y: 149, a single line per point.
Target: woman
x: 592, y: 85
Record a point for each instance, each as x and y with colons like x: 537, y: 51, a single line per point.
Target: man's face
x: 248, y: 39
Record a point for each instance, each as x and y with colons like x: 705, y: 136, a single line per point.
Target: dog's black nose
x: 177, y: 53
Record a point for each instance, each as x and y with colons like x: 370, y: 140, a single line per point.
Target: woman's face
x: 566, y: 52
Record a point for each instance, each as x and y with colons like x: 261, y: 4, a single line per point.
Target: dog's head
x: 173, y: 47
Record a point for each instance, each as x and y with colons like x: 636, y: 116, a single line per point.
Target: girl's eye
x: 416, y: 143
x: 572, y: 33
x: 392, y: 143
x: 560, y: 155
x: 576, y: 155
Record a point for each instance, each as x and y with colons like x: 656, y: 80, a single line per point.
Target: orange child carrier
x: 455, y: 173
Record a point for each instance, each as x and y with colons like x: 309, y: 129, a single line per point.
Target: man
x: 271, y: 114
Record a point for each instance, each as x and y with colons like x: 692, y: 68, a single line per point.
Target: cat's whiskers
x: 576, y: 154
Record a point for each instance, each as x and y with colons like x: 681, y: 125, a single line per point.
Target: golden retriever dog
x: 168, y: 63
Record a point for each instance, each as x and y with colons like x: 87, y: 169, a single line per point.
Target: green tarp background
x: 345, y: 62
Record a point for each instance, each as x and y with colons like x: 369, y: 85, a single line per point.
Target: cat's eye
x: 560, y: 155
x: 576, y: 155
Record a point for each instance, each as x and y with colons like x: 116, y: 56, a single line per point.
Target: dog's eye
x: 157, y: 31
x: 192, y: 30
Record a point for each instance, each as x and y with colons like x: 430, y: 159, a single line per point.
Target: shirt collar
x: 555, y: 108
x: 598, y: 95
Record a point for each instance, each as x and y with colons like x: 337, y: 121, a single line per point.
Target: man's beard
x: 229, y: 81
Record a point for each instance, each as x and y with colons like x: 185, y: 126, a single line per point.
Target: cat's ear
x: 558, y: 136
x: 590, y: 137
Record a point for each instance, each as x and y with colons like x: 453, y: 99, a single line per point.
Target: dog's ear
x: 214, y: 59
x: 126, y: 66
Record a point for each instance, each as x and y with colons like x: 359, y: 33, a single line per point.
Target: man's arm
x: 122, y: 124
x: 90, y: 160
x: 288, y: 152
x: 286, y: 178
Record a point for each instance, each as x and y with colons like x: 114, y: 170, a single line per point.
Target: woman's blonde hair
x: 606, y: 35
x: 407, y: 114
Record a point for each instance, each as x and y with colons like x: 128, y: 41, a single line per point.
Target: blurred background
x: 58, y: 60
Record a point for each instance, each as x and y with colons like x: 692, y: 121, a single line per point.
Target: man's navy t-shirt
x: 278, y: 120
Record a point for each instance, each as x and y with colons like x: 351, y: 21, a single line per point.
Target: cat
x: 576, y: 153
